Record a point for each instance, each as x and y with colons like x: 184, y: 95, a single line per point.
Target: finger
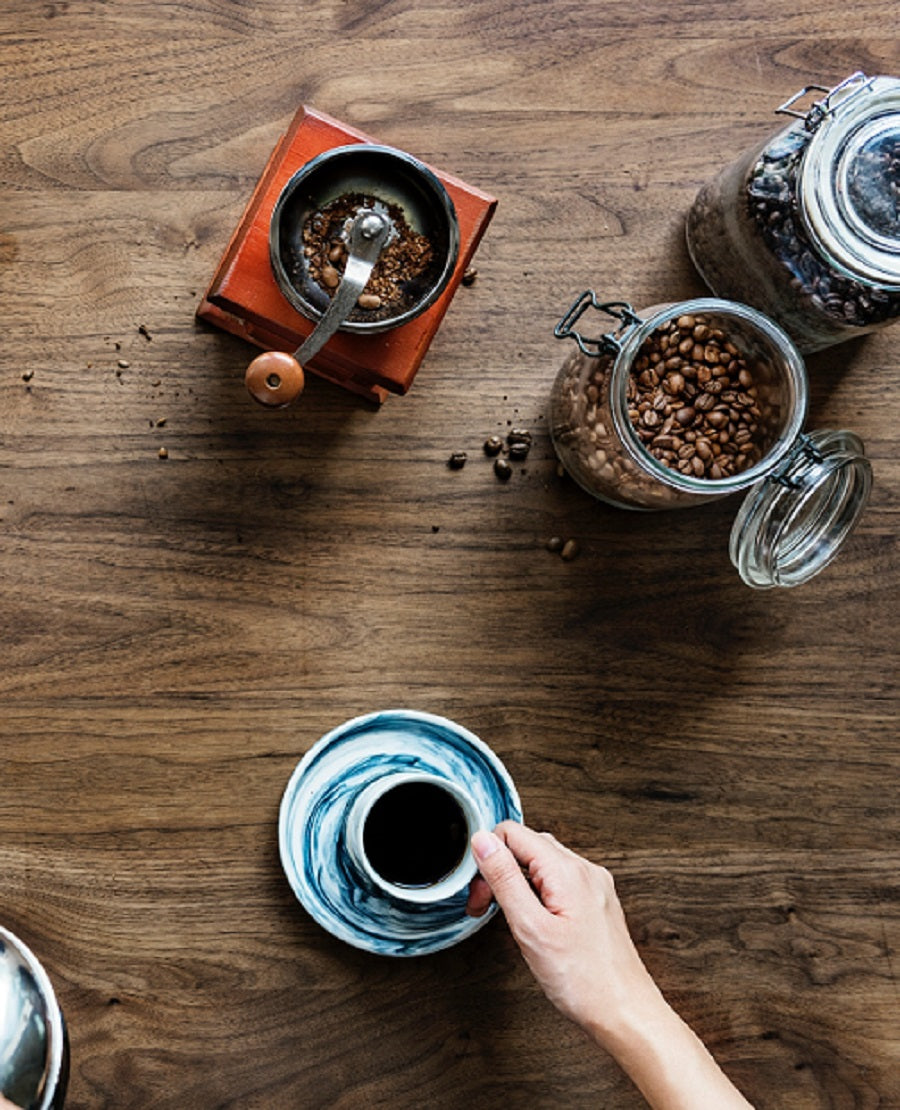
x: 502, y: 873
x: 532, y: 849
x: 480, y: 897
x: 567, y: 851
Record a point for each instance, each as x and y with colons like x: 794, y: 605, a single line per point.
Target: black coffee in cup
x: 415, y: 834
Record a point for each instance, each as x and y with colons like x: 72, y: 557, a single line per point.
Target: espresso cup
x: 408, y: 834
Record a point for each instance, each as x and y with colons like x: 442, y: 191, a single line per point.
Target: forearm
x: 667, y: 1061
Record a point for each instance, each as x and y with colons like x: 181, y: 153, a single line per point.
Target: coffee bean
x: 519, y: 451
x: 519, y: 435
x: 569, y: 550
x: 330, y: 277
x: 457, y: 460
x: 368, y: 300
x: 555, y: 544
x: 502, y: 469
x: 493, y: 445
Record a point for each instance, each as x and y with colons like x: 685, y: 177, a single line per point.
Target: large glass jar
x: 689, y: 402
x: 806, y: 226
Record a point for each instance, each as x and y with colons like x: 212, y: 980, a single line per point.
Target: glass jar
x: 806, y: 226
x: 689, y: 402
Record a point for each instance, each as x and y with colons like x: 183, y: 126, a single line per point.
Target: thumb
x: 501, y: 871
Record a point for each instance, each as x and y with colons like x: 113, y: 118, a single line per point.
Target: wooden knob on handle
x: 274, y: 378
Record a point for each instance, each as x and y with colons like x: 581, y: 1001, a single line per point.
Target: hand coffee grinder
x: 363, y: 200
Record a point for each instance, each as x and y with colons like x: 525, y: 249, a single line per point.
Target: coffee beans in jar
x: 689, y: 402
x: 694, y: 403
x: 806, y: 226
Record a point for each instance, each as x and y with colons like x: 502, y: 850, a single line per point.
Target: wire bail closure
x: 608, y: 343
x: 804, y: 449
x: 821, y: 109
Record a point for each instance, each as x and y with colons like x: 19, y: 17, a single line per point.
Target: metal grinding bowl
x: 34, y: 1051
x: 390, y: 178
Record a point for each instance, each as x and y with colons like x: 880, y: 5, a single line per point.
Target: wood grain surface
x: 176, y: 632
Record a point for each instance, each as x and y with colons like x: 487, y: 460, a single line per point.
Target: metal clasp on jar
x: 821, y: 109
x: 610, y: 342
x: 803, y: 453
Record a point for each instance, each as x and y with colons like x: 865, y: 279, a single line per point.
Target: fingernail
x: 484, y: 844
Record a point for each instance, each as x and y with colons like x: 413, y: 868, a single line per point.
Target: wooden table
x: 177, y: 632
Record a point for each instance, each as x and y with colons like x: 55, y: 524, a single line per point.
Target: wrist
x: 665, y: 1059
x: 639, y: 1014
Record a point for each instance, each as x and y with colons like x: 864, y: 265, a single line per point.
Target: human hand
x: 568, y: 923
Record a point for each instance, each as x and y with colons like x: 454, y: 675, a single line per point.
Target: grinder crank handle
x: 275, y: 378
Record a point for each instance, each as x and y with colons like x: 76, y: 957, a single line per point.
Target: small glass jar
x: 806, y: 226
x: 689, y: 402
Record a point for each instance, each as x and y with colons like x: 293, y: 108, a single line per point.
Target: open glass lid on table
x: 689, y: 402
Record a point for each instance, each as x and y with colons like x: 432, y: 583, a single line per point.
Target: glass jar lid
x: 850, y: 179
x: 793, y: 522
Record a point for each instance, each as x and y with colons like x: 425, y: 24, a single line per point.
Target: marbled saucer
x: 313, y: 818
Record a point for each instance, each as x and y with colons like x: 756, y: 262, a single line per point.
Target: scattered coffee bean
x: 163, y: 453
x: 519, y: 435
x: 493, y: 445
x: 123, y: 364
x: 469, y: 276
x: 555, y: 544
x: 502, y: 469
x: 28, y: 375
x: 519, y: 451
x: 457, y: 460
x: 569, y: 550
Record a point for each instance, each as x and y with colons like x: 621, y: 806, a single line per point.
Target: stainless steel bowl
x: 34, y: 1051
